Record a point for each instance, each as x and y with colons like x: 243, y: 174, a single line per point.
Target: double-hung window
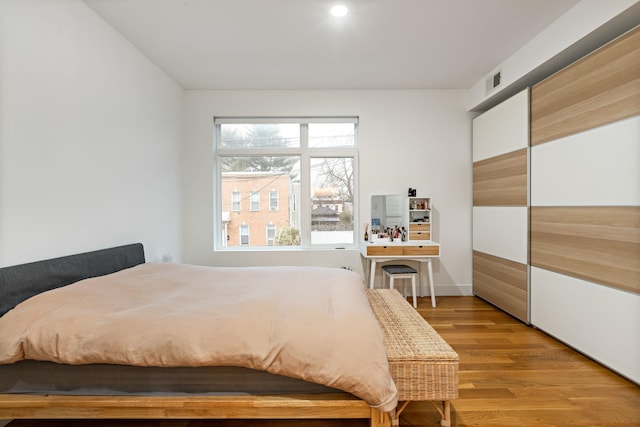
x: 244, y: 234
x: 235, y: 201
x: 271, y: 234
x: 307, y: 170
x: 255, y: 201
x: 273, y: 200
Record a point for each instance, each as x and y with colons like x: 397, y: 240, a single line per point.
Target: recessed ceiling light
x: 339, y: 10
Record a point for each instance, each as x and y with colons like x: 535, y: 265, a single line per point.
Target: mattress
x: 35, y: 377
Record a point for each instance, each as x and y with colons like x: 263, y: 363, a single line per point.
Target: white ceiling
x: 297, y: 44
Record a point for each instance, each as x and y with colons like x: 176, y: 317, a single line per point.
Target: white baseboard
x: 454, y: 290
x: 449, y: 290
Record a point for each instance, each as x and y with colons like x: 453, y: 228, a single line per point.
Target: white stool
x: 401, y: 272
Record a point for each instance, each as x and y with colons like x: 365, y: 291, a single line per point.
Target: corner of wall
x: 585, y: 27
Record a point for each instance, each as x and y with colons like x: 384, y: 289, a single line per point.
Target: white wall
x: 582, y: 28
x: 412, y: 138
x: 89, y: 140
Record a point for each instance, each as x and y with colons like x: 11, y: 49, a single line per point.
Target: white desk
x: 419, y: 251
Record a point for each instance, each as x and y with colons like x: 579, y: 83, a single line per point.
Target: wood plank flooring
x: 510, y: 375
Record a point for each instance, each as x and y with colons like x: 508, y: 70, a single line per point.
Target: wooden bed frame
x: 312, y: 406
x: 422, y: 364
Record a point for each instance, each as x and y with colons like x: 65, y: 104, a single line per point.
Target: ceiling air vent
x: 493, y: 81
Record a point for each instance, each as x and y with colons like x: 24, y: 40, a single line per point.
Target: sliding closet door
x: 585, y: 205
x: 500, y: 200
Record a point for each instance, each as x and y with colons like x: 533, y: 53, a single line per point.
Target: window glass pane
x: 255, y: 201
x: 244, y: 234
x: 332, y: 200
x: 260, y: 135
x: 235, y: 201
x: 278, y: 178
x: 274, y: 198
x: 259, y: 171
x: 332, y: 135
x: 271, y: 234
x: 271, y: 164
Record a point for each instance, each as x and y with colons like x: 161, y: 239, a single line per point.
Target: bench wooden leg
x: 445, y: 412
x: 446, y: 418
x: 379, y: 419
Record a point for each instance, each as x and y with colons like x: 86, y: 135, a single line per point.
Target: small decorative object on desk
x: 366, y: 232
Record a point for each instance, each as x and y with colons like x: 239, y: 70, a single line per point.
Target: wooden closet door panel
x: 599, y: 244
x: 500, y: 205
x: 585, y: 192
x: 601, y: 88
x: 501, y: 180
x: 501, y: 282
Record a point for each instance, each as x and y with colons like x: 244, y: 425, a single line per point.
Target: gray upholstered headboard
x: 20, y: 282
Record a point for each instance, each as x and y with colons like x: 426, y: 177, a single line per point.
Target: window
x: 235, y: 201
x: 244, y: 234
x: 273, y: 200
x: 255, y: 201
x: 271, y: 234
x: 307, y: 167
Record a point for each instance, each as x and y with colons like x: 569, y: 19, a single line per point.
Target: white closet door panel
x: 597, y: 320
x: 599, y: 167
x: 501, y: 231
x: 502, y: 129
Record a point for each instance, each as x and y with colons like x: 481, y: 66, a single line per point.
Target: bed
x: 143, y: 391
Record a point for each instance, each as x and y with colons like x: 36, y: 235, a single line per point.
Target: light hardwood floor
x: 510, y: 375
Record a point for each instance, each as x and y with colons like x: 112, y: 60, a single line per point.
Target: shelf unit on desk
x: 419, y: 251
x: 419, y: 218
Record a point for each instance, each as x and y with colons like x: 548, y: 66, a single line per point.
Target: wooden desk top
x: 399, y: 249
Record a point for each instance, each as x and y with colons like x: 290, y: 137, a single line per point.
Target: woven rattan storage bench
x: 422, y: 364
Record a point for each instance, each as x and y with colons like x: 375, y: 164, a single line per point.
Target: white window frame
x: 240, y: 228
x: 275, y: 233
x: 254, y: 197
x: 272, y: 207
x: 233, y: 201
x: 305, y: 153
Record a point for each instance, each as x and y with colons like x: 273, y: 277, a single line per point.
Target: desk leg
x: 372, y: 272
x: 431, y: 285
x: 420, y: 281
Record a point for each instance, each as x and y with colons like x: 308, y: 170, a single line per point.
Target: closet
x: 583, y: 207
x: 500, y: 206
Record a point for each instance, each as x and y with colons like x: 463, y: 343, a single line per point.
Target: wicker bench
x: 422, y: 364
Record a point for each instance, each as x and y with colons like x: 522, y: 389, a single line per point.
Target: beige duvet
x: 304, y: 322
